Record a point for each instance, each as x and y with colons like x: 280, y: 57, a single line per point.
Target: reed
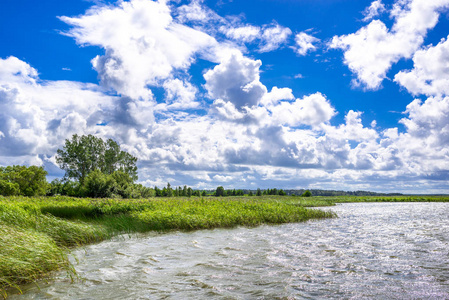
x: 35, y: 232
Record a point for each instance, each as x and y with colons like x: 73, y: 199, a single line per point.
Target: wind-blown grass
x: 33, y: 244
x: 35, y: 232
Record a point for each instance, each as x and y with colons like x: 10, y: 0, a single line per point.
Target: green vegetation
x: 35, y: 232
x: 22, y: 180
x: 400, y: 198
x: 85, y: 154
x: 307, y: 194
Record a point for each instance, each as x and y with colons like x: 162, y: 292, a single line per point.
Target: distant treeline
x: 31, y: 181
x: 316, y: 192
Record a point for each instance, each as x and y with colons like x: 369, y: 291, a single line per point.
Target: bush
x: 8, y: 188
x: 307, y: 194
x: 98, y: 185
x: 23, y: 180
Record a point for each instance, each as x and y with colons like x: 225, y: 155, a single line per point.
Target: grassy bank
x: 36, y: 232
x: 407, y: 198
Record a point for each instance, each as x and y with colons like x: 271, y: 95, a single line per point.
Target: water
x: 372, y: 251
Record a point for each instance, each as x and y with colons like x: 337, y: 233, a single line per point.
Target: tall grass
x: 212, y: 213
x: 33, y: 244
x: 404, y: 198
x: 35, y: 232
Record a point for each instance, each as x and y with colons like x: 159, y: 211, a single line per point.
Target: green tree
x: 259, y: 192
x: 23, y: 180
x: 220, y: 191
x: 169, y: 190
x: 8, y: 188
x: 83, y: 154
x: 55, y: 188
x: 124, y: 186
x: 307, y: 194
x: 98, y: 185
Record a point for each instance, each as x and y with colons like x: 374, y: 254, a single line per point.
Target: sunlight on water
x: 372, y: 251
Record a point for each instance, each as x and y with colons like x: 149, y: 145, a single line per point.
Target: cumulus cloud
x: 371, y: 51
x: 36, y: 116
x: 237, y: 80
x: 248, y: 136
x: 430, y: 74
x: 372, y: 11
x: 273, y: 37
x: 143, y: 44
x: 246, y: 34
x: 180, y: 94
x: 429, y: 120
x: 277, y: 94
x: 195, y: 12
x: 286, y: 137
x: 305, y: 43
x: 268, y: 38
x: 312, y: 110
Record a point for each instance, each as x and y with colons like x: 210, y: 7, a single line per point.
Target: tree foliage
x: 220, y: 192
x: 23, y: 180
x: 307, y: 194
x: 84, y: 154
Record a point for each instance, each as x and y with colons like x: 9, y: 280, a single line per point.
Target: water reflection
x: 372, y: 251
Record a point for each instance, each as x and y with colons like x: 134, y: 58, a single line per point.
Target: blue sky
x: 331, y: 94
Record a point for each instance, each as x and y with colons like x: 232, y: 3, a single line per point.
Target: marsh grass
x: 33, y: 244
x: 36, y: 232
x: 403, y: 198
x: 213, y: 213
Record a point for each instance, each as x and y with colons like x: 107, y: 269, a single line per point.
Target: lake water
x: 372, y: 251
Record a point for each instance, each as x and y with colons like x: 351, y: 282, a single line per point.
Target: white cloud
x: 354, y: 130
x: 277, y: 94
x: 143, y: 45
x: 371, y: 51
x: 180, y: 94
x: 14, y: 70
x: 273, y: 37
x: 268, y: 37
x: 36, y: 116
x: 222, y: 178
x: 305, y: 43
x: 248, y: 136
x: 312, y: 110
x: 194, y: 11
x: 288, y: 138
x: 429, y: 121
x: 430, y: 75
x: 374, y: 10
x: 236, y: 79
x: 246, y: 34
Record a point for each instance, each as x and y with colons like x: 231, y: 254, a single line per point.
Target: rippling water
x: 372, y: 251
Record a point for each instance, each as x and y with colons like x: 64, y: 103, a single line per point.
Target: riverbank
x: 36, y: 232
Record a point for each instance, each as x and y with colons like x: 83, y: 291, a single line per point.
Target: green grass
x: 36, y: 232
x: 33, y: 244
x: 353, y: 199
